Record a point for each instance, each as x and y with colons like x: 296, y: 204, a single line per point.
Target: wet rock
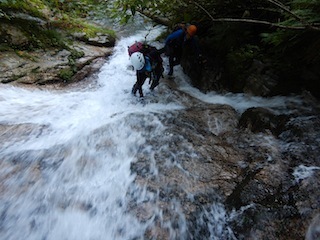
x: 44, y: 67
x: 313, y: 232
x: 261, y: 80
x: 250, y: 174
x: 42, y: 58
x: 13, y: 35
x: 102, y: 40
x: 247, y: 66
x: 80, y: 36
x: 261, y: 119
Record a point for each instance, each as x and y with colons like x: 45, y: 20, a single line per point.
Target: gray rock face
x: 200, y: 173
x: 214, y: 72
x: 34, y: 62
x: 205, y: 158
x: 208, y: 160
x: 13, y: 35
x: 313, y: 232
x: 44, y: 67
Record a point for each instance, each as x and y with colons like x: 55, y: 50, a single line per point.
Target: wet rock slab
x: 205, y: 158
x: 44, y: 67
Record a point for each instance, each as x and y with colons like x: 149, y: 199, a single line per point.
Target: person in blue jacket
x: 174, y: 43
x: 146, y: 66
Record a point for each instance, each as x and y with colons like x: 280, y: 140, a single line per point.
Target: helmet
x: 191, y: 30
x: 137, y: 60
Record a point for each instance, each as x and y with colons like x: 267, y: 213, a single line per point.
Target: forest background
x: 264, y: 47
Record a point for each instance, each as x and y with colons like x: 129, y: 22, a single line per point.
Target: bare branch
x: 280, y: 5
x: 303, y: 21
x: 275, y: 25
x: 166, y: 22
x: 269, y: 24
x: 154, y: 18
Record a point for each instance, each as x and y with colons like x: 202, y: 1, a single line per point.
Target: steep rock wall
x: 235, y: 59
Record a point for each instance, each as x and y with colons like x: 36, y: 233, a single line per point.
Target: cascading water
x: 65, y: 159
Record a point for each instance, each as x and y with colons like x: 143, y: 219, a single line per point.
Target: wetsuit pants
x: 141, y: 78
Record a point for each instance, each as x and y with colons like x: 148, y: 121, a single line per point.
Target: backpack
x: 179, y: 26
x: 150, y: 51
x: 147, y: 50
x: 140, y: 47
x: 136, y: 47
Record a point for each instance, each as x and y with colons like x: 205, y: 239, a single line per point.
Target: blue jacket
x: 178, y: 38
x: 147, y: 66
x: 179, y: 34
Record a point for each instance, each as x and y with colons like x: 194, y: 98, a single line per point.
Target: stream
x: 66, y: 157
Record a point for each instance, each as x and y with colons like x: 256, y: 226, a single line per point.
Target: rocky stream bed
x: 262, y: 164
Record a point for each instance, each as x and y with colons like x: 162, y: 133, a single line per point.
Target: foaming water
x: 302, y: 172
x: 240, y: 101
x: 66, y: 156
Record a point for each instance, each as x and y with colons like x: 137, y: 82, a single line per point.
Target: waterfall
x: 66, y: 158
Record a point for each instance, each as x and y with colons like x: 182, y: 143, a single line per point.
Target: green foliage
x: 80, y: 8
x: 5, y: 47
x: 306, y: 13
x: 274, y: 38
x: 44, y: 38
x: 239, y: 60
x: 244, y: 54
x: 78, y: 25
x: 25, y: 55
x: 202, y: 10
x: 308, y: 10
x: 32, y: 7
x: 124, y: 10
x: 53, y: 31
x: 37, y: 36
x: 66, y: 74
x: 76, y: 54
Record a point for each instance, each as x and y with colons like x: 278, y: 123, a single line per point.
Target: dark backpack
x: 151, y: 52
x: 147, y: 50
x: 179, y: 26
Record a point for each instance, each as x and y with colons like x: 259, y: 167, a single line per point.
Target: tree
x: 294, y: 14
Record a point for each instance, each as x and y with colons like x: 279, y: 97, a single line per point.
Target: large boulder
x: 261, y: 120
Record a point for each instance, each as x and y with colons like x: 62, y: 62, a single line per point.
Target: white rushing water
x: 65, y: 155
